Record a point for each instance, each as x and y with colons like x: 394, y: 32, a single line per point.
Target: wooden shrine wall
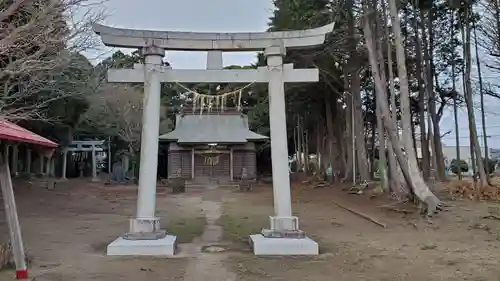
x: 244, y: 159
x: 203, y: 168
x: 179, y: 159
x: 244, y: 156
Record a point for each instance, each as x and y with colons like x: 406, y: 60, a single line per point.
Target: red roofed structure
x: 12, y: 132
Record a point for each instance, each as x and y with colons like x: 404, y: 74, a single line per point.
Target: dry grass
x: 186, y: 229
x: 356, y: 249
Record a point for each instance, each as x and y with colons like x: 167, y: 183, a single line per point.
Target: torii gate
x: 145, y: 236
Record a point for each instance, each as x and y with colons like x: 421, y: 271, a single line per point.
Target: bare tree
x: 116, y: 110
x: 490, y: 31
x: 476, y: 149
x: 38, y: 39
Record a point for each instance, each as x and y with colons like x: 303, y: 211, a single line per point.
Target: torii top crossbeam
x: 205, y: 41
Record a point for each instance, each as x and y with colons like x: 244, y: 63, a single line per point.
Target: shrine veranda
x: 145, y: 237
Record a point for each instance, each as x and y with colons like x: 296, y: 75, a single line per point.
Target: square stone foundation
x: 159, y: 247
x: 263, y: 246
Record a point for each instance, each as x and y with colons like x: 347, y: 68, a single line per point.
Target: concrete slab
x: 161, y: 247
x: 263, y: 246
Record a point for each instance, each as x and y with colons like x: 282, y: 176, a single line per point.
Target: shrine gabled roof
x: 195, y: 128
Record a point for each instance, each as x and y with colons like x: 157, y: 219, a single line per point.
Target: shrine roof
x: 13, y: 132
x: 211, y: 128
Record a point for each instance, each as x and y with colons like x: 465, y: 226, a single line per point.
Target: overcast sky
x: 191, y: 15
x: 248, y: 16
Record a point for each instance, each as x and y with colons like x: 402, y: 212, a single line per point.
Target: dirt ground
x: 460, y: 244
x: 66, y: 231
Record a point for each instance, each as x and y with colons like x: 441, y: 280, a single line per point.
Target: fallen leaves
x: 469, y: 190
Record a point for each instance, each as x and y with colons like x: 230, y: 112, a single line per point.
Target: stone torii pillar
x: 145, y: 236
x: 146, y: 221
x: 284, y: 236
x: 279, y: 150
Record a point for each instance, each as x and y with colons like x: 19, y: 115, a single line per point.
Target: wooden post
x: 47, y: 166
x: 6, y: 151
x: 12, y: 219
x: 192, y: 163
x: 231, y: 165
x: 28, y: 161
x: 42, y: 159
x: 15, y: 158
x: 110, y: 161
x: 94, y: 165
x: 64, y: 163
x: 52, y: 167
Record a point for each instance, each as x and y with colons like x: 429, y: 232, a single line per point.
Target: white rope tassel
x: 195, y: 101
x: 219, y: 101
x: 239, y: 100
x: 202, y: 103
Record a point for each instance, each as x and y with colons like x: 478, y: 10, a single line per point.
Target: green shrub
x: 455, y: 165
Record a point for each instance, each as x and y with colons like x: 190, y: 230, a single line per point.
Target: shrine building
x: 211, y: 146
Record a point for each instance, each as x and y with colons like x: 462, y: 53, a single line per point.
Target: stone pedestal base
x: 149, y: 225
x: 145, y: 235
x: 263, y: 246
x: 284, y: 238
x: 289, y: 223
x: 160, y: 247
x: 270, y: 233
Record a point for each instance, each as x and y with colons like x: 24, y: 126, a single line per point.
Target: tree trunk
x: 408, y: 164
x: 454, y: 89
x: 349, y: 133
x: 413, y: 132
x: 373, y: 148
x: 382, y: 162
x: 361, y: 155
x: 483, y: 115
x: 397, y: 181
x: 319, y: 156
x: 437, y: 151
x: 424, y: 147
x: 469, y: 101
x: 296, y: 146
x: 355, y: 87
x: 305, y: 149
x: 329, y: 128
x: 340, y: 140
x: 299, y: 145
